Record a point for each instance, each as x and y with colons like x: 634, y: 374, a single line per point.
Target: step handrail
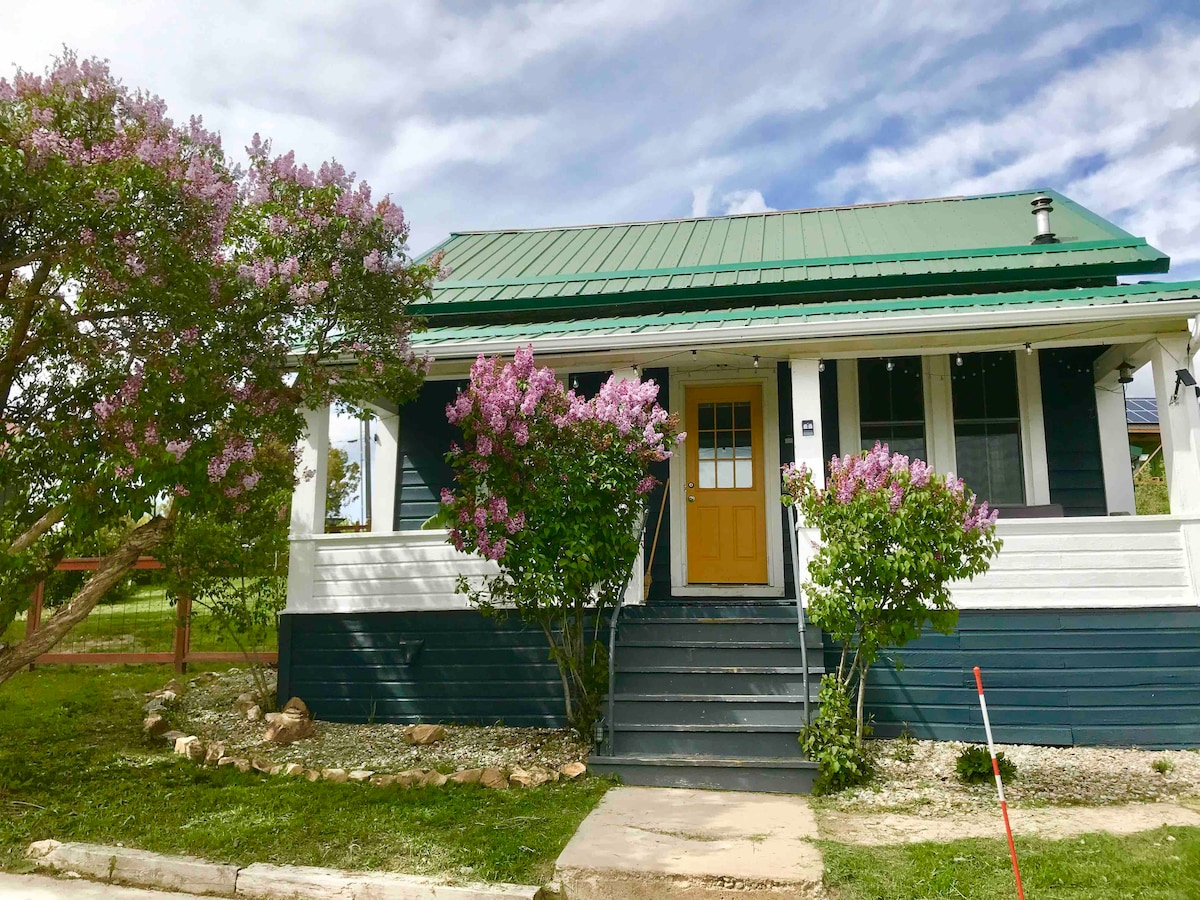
x: 794, y: 529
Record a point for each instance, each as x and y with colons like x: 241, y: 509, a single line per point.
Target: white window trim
x: 679, y: 382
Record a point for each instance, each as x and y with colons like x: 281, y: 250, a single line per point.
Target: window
x: 987, y: 426
x: 726, y: 445
x: 891, y: 405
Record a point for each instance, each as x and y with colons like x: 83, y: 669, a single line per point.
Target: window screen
x: 726, y: 445
x: 987, y: 426
x: 891, y: 405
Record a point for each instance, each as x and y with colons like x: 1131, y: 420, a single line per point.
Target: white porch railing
x: 1084, y: 562
x: 378, y: 572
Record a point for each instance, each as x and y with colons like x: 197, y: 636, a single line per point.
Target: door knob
x: 691, y: 484
x: 691, y: 499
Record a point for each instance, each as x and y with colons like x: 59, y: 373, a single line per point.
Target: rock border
x: 269, y: 882
x: 295, y: 717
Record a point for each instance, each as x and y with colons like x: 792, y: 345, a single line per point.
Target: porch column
x: 1033, y: 429
x: 806, y: 416
x: 939, y: 414
x: 1114, y: 446
x: 308, y: 504
x: 1179, y: 421
x: 635, y: 591
x: 387, y: 453
x: 849, y: 428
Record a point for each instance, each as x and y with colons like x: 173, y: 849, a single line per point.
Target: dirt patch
x: 918, y: 778
x: 206, y: 710
x: 1061, y: 822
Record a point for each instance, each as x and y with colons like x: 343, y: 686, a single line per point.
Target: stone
x: 383, y: 780
x: 312, y: 774
x: 154, y: 725
x: 271, y: 718
x: 520, y: 778
x: 242, y: 765
x: 297, y: 707
x: 190, y: 746
x: 170, y: 737
x: 243, y: 703
x: 293, y: 769
x: 424, y: 735
x: 573, y: 770
x: 287, y: 728
x: 254, y: 713
x: 41, y: 849
x: 167, y: 698
x: 337, y: 776
x: 215, y: 753
x: 262, y: 765
x: 360, y: 775
x: 410, y: 777
x: 154, y: 705
x: 275, y: 769
x: 494, y: 779
x: 311, y: 883
x: 159, y: 870
x: 540, y: 777
x: 433, y: 778
x: 467, y: 776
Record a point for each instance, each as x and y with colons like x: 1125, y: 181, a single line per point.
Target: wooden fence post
x: 183, y: 630
x: 33, y: 618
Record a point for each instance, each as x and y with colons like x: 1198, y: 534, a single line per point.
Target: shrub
x: 904, y: 748
x: 1163, y: 766
x: 829, y: 741
x: 974, y: 765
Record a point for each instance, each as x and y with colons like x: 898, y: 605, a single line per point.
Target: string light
x: 890, y: 365
x: 821, y: 366
x: 756, y: 360
x: 1028, y: 349
x: 958, y: 359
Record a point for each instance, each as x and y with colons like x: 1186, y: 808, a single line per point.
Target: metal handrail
x: 794, y: 522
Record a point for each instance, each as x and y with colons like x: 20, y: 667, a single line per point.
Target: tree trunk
x: 862, y: 693
x: 112, y: 569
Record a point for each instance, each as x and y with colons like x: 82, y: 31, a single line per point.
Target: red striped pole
x: 987, y: 727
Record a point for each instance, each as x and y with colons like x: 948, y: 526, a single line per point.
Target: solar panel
x: 1141, y: 410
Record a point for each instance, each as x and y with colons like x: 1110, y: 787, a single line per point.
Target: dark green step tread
x: 721, y: 670
x: 745, y: 762
x: 712, y: 645
x: 734, y: 729
x: 709, y: 698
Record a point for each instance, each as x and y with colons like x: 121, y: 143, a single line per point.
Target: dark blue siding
x: 660, y: 566
x: 453, y: 666
x: 1122, y: 677
x: 1073, y: 457
x: 425, y: 437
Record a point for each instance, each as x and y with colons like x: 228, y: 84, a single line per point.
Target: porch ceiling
x: 800, y: 321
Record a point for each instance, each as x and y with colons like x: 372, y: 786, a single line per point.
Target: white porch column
x: 1114, y: 446
x: 308, y: 504
x: 806, y: 416
x: 383, y: 486
x: 939, y: 414
x: 1179, y: 421
x: 1033, y: 429
x: 849, y: 429
x: 635, y: 591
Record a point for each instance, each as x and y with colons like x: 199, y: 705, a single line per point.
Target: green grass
x: 74, y: 766
x: 1091, y: 867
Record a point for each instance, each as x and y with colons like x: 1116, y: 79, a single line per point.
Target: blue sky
x: 483, y: 115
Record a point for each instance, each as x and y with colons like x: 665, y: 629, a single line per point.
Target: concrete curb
x: 260, y: 881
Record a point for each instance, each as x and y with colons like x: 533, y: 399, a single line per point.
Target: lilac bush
x: 550, y: 485
x: 893, y: 537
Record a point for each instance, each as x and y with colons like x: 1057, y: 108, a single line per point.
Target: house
x: 1145, y: 442
x: 983, y: 334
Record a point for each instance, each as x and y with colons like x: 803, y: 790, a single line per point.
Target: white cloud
x: 701, y: 197
x: 737, y: 202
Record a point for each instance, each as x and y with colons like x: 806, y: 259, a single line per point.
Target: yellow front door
x: 725, y: 499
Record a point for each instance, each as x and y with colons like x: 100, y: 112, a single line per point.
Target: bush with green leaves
x: 974, y: 765
x: 829, y: 740
x: 892, y: 536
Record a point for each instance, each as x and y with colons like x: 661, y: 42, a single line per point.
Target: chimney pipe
x: 1041, y: 210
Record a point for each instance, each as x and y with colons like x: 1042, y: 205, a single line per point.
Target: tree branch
x: 113, y: 568
x: 40, y: 527
x: 20, y: 332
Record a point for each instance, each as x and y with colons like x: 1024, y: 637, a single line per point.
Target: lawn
x: 74, y: 766
x: 1155, y: 865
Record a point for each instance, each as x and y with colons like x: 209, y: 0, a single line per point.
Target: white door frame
x: 679, y: 382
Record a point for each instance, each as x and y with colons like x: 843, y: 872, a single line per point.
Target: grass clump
x: 74, y: 766
x: 1163, y: 766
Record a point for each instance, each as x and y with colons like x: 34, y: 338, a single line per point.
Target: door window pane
x: 891, y: 405
x: 725, y: 435
x: 987, y: 427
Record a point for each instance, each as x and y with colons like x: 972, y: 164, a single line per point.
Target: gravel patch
x: 206, y: 710
x: 927, y: 784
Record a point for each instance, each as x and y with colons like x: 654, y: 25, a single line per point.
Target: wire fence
x: 137, y: 622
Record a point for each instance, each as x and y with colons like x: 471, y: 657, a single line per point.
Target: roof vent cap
x: 1041, y: 210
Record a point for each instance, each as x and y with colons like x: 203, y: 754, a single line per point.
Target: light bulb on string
x: 821, y: 366
x: 1028, y: 349
x: 756, y: 360
x: 891, y: 366
x: 958, y: 359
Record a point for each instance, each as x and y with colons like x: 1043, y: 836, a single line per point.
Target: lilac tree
x: 550, y: 485
x: 893, y: 537
x: 164, y: 316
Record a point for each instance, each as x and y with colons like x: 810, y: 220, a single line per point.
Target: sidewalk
x: 40, y: 887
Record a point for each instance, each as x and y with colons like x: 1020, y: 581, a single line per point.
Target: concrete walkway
x: 39, y: 887
x: 663, y: 843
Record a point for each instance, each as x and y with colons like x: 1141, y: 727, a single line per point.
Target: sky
x: 476, y: 114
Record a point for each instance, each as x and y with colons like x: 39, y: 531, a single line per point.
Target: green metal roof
x: 951, y: 241
x: 608, y: 331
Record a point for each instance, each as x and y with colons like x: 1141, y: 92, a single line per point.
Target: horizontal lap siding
x: 425, y: 438
x: 455, y: 666
x: 1073, y: 457
x: 1122, y: 677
